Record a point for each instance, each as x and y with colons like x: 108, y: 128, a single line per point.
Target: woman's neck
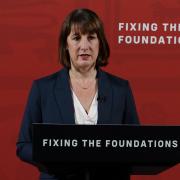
x: 83, y: 75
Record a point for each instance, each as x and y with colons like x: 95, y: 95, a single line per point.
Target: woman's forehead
x: 82, y: 29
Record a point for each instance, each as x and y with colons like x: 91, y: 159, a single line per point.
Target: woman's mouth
x: 84, y: 56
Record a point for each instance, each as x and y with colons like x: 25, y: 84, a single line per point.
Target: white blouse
x: 81, y: 116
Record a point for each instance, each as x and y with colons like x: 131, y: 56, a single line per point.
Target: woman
x: 80, y: 93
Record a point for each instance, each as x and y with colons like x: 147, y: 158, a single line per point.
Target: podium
x: 143, y: 149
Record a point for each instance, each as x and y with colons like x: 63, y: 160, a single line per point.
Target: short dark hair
x: 87, y: 22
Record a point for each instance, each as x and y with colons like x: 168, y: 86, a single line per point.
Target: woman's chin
x: 86, y: 65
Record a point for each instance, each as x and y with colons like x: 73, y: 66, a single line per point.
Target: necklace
x: 82, y: 84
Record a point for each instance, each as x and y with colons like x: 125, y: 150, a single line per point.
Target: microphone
x: 101, y: 99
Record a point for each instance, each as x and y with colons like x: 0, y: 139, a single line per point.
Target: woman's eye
x: 76, y: 38
x: 91, y: 37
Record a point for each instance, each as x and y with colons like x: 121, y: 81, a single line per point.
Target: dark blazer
x: 50, y: 101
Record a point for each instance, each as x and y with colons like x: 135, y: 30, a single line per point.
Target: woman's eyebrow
x: 92, y: 33
x: 75, y: 34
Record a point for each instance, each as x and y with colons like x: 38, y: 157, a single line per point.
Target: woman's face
x: 83, y: 50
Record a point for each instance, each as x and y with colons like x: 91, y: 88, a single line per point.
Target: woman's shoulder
x: 116, y: 80
x: 49, y: 78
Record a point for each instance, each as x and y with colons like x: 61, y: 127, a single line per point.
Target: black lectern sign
x: 106, y: 144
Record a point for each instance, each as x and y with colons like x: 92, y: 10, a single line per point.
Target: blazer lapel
x: 64, y: 97
x: 104, y: 98
x: 65, y: 102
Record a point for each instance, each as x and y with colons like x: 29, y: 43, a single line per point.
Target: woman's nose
x: 84, y: 44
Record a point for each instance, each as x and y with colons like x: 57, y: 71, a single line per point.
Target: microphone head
x: 101, y: 98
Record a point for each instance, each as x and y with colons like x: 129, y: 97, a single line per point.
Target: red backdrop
x: 28, y: 50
